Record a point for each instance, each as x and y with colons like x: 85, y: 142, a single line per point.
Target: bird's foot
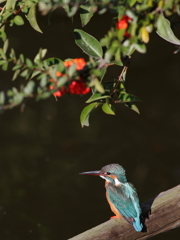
x: 114, y: 217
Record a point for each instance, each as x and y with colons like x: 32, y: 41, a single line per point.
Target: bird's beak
x: 92, y: 173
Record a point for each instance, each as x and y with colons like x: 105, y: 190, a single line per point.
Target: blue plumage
x: 137, y: 225
x: 121, y: 195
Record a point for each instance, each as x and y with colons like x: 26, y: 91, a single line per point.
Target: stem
x: 119, y: 80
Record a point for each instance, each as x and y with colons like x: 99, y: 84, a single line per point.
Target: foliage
x: 132, y: 23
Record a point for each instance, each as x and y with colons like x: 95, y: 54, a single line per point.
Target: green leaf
x: 120, y: 33
x: 88, y: 43
x: 12, y: 54
x: 122, y: 88
x: 96, y: 97
x: 32, y: 18
x: 15, y: 91
x: 118, y: 57
x: 24, y: 73
x: 121, y: 11
x: 5, y: 66
x: 140, y: 47
x: 5, y: 47
x: 35, y: 73
x: 108, y: 108
x: 21, y: 57
x: 108, y: 55
x: 7, y: 14
x: 132, y: 107
x: 131, y: 50
x: 39, y: 91
x: 44, y: 80
x: 95, y: 83
x: 71, y: 12
x: 2, y: 55
x: 62, y: 81
x: 10, y: 93
x: 29, y: 88
x: 52, y: 61
x: 126, y: 97
x: 84, y: 117
x: 164, y: 30
x: 3, y: 35
x: 103, y: 72
x: 18, y: 98
x: 2, y: 62
x: 119, y: 63
x: 72, y: 70
x: 86, y: 14
x: 17, y: 66
x: 29, y: 63
x: 40, y: 55
x: 131, y: 2
x: 44, y: 95
x: 2, y: 98
x: 18, y: 20
x: 16, y: 73
x: 10, y: 4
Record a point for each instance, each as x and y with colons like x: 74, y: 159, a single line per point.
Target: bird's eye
x: 108, y: 173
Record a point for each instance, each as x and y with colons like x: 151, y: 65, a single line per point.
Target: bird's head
x: 113, y: 173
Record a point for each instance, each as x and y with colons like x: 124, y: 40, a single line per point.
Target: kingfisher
x: 121, y: 195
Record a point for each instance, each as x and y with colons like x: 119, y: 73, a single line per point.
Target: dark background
x: 43, y: 149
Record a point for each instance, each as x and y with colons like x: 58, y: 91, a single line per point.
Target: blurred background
x: 44, y: 148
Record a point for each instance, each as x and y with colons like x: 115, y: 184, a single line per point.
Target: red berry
x: 78, y: 87
x: 122, y: 24
x: 126, y: 34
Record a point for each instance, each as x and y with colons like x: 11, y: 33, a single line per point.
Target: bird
x: 121, y: 195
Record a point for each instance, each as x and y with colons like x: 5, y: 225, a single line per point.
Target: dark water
x: 43, y: 149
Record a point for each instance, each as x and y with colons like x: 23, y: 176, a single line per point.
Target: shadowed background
x: 43, y: 149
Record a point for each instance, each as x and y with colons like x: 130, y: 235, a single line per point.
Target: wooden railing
x: 162, y: 213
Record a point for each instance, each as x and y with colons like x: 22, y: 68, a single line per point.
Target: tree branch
x: 162, y: 213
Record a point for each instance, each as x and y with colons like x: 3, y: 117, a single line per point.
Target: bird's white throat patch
x: 104, y: 178
x: 117, y: 182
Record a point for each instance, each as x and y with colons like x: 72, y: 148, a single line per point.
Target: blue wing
x: 125, y: 199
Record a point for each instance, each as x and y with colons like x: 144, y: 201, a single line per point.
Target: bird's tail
x: 137, y: 224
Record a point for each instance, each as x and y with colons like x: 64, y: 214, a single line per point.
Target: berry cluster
x: 76, y: 86
x: 123, y: 24
x: 80, y: 63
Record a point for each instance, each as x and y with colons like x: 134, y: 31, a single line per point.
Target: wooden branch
x: 160, y: 214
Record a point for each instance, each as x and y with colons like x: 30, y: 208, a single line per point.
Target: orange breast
x: 113, y: 208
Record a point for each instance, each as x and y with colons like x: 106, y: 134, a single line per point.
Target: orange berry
x: 80, y: 63
x: 60, y: 92
x: 123, y: 22
x: 58, y: 74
